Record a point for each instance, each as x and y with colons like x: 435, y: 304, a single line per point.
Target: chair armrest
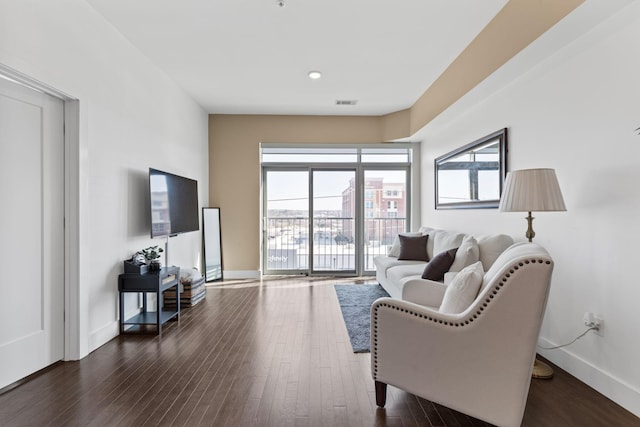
x: 412, y: 345
x: 425, y: 352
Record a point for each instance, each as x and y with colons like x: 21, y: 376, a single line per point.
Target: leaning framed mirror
x: 473, y: 175
x: 212, y: 244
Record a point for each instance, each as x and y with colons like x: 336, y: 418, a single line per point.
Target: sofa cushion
x: 491, y: 247
x: 413, y: 248
x: 400, y: 272
x: 467, y: 254
x: 384, y: 263
x: 394, y: 251
x: 463, y: 289
x: 439, y: 265
x: 445, y: 240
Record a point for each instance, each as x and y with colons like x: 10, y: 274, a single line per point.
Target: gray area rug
x: 355, y: 303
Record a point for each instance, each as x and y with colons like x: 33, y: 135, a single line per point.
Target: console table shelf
x: 151, y: 282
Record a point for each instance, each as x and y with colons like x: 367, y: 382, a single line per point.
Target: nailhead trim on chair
x: 493, y: 293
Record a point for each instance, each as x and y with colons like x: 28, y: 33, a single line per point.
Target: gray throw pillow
x: 413, y: 248
x: 439, y: 265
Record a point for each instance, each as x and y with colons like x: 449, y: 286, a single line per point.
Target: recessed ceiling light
x: 315, y: 75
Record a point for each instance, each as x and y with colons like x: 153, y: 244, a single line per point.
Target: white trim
x: 72, y: 302
x: 107, y: 332
x: 415, y: 188
x: 29, y: 82
x: 241, y: 274
x: 72, y: 289
x: 614, y: 388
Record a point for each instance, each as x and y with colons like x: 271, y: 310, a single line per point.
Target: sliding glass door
x: 286, y: 221
x: 297, y: 242
x: 333, y: 221
x: 332, y: 210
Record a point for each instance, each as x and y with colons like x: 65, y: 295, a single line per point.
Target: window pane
x: 334, y: 155
x: 385, y: 211
x: 334, y: 201
x: 309, y: 155
x: 287, y: 233
x: 385, y: 155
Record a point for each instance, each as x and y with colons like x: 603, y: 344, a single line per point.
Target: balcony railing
x: 288, y: 246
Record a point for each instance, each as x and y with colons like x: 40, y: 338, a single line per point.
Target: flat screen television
x: 174, y: 204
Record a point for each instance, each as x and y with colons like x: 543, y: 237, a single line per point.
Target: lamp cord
x: 592, y: 328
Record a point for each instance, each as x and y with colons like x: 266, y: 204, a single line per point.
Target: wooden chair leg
x: 381, y: 394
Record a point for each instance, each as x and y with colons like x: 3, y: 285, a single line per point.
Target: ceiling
x: 253, y: 56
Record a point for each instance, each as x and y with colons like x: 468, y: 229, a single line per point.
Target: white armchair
x: 477, y: 362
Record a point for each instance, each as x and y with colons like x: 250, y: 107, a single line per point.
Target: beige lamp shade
x: 532, y: 190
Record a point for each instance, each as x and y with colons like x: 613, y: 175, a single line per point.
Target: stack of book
x: 191, y: 293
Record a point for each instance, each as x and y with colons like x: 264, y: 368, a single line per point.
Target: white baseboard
x: 103, y: 335
x: 614, y: 388
x: 241, y: 274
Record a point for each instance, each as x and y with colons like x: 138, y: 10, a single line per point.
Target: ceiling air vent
x: 346, y: 101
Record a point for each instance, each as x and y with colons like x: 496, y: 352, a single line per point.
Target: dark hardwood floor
x: 266, y: 354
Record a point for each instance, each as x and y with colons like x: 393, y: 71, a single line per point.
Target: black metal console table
x: 150, y: 282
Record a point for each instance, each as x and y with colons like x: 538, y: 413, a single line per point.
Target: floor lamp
x: 533, y: 190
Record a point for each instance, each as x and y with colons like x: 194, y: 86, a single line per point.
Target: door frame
x: 74, y: 345
x: 309, y: 168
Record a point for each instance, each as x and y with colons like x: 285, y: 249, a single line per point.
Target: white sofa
x: 403, y: 279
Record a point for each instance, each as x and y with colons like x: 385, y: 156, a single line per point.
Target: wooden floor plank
x: 271, y: 353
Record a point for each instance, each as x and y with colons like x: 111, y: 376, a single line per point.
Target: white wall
x: 132, y: 117
x: 576, y: 112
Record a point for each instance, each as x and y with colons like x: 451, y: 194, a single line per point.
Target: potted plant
x: 152, y: 255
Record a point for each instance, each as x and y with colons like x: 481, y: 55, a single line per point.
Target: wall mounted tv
x: 174, y: 204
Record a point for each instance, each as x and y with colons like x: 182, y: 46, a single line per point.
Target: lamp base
x: 530, y: 234
x: 541, y: 370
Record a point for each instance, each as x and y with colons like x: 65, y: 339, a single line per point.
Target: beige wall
x: 234, y: 173
x: 523, y: 21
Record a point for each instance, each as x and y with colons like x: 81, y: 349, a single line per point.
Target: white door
x: 31, y: 231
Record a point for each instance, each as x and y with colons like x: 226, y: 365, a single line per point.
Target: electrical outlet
x: 600, y: 324
x: 593, y: 321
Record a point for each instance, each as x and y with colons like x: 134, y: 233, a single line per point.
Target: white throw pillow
x: 432, y: 235
x: 463, y: 289
x: 467, y: 254
x: 445, y: 240
x: 491, y: 247
x: 425, y: 230
x: 394, y: 251
x: 431, y: 232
